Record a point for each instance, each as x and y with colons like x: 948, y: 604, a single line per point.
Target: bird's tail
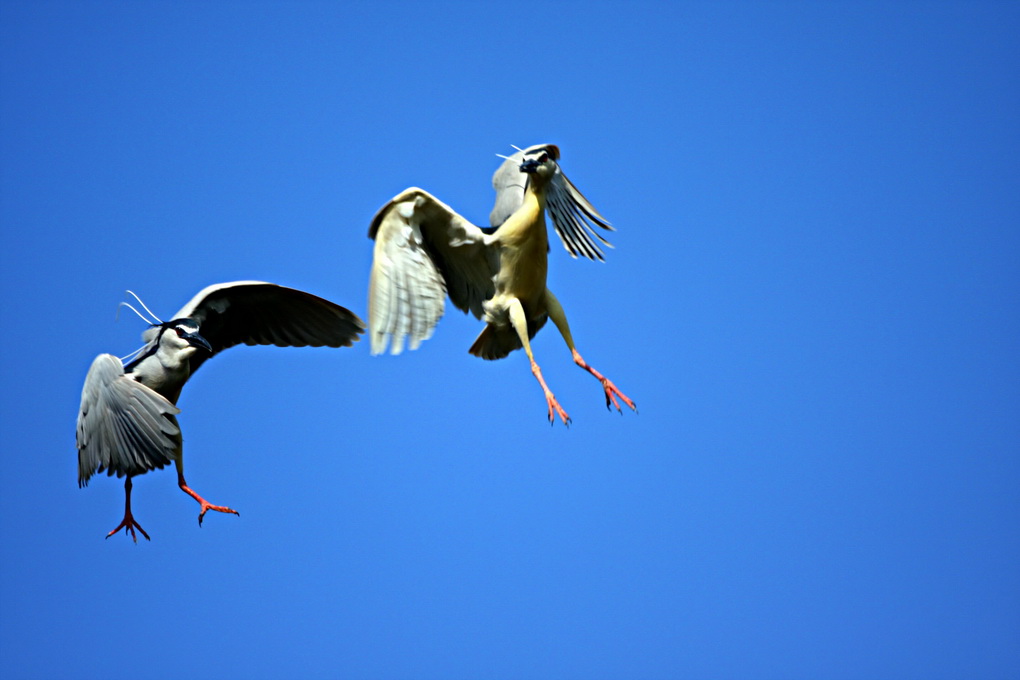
x: 496, y: 342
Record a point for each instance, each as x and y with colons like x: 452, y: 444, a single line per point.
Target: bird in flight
x: 127, y: 424
x: 425, y: 251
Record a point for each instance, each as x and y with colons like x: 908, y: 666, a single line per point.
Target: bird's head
x: 540, y: 163
x: 182, y: 334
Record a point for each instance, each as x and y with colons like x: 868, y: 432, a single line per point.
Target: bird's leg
x: 206, y: 505
x: 520, y: 323
x: 559, y: 318
x: 612, y: 391
x: 129, y: 520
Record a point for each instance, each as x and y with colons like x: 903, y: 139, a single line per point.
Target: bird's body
x: 424, y: 250
x: 164, y: 371
x: 522, y: 244
x: 127, y: 424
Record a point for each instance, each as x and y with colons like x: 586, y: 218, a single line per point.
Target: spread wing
x: 123, y: 426
x: 573, y: 216
x: 258, y: 313
x: 423, y: 251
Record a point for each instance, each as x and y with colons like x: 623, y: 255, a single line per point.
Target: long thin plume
x: 125, y: 304
x: 128, y: 305
x: 130, y: 357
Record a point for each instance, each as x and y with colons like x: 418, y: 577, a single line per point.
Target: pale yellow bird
x: 424, y: 251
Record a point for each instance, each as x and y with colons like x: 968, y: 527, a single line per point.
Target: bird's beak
x: 529, y: 166
x: 196, y: 340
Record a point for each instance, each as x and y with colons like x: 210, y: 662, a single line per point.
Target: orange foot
x: 612, y: 391
x: 554, y: 407
x: 218, y: 508
x: 550, y: 400
x: 131, y: 525
x: 206, y: 505
x: 129, y: 520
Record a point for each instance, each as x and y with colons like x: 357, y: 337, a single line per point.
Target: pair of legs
x: 129, y: 521
x: 519, y: 321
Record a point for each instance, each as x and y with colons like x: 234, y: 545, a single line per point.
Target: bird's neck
x: 165, y: 371
x: 527, y: 223
x: 535, y: 194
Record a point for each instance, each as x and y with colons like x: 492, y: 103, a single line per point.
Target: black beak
x: 196, y: 340
x: 529, y: 166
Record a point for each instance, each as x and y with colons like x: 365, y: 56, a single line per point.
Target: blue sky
x: 813, y: 299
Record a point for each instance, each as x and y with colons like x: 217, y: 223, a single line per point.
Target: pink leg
x: 206, y: 505
x: 519, y: 321
x: 550, y: 400
x: 129, y: 520
x: 612, y: 392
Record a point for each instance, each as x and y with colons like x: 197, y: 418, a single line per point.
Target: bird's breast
x: 524, y: 252
x: 166, y: 380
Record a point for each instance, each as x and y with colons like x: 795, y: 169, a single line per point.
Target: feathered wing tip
x: 423, y: 252
x: 404, y: 305
x: 574, y: 218
x: 402, y: 279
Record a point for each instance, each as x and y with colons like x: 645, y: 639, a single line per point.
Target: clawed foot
x: 612, y: 392
x: 550, y: 400
x: 206, y: 505
x: 130, y: 523
x: 218, y: 508
x: 555, y: 408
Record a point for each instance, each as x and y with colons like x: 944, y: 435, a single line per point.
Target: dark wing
x: 123, y: 426
x: 258, y: 313
x: 573, y: 216
x: 423, y: 251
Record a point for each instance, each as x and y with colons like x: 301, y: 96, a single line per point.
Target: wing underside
x: 423, y: 252
x: 124, y: 427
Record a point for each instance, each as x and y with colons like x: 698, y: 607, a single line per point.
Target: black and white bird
x: 128, y: 425
x: 424, y: 251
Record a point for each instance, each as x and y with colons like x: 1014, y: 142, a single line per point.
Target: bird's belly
x: 165, y: 381
x: 522, y: 272
x: 522, y: 276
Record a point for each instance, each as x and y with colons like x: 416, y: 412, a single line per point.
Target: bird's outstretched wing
x: 259, y: 313
x: 573, y: 216
x: 123, y: 426
x: 423, y: 251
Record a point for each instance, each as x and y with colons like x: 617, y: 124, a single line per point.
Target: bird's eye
x: 543, y: 158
